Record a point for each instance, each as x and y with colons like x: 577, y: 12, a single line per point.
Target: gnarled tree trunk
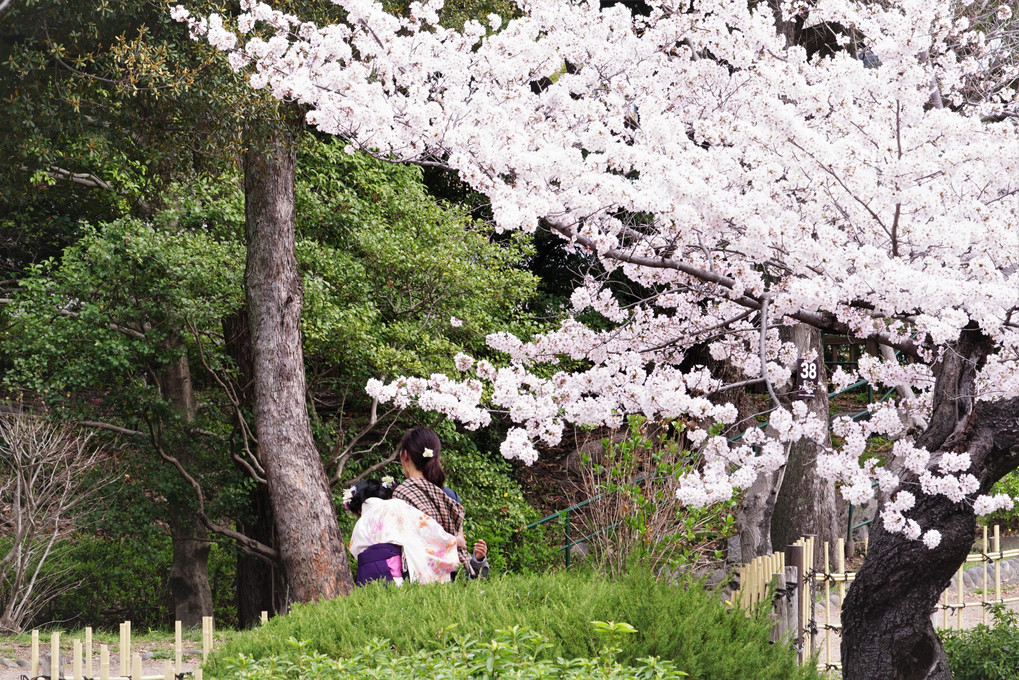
x: 887, y: 629
x: 313, y: 553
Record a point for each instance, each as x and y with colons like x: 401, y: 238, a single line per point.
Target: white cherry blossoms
x: 879, y: 195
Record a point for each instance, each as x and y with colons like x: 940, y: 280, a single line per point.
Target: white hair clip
x: 427, y: 453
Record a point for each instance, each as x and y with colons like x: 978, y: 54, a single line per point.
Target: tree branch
x: 820, y: 320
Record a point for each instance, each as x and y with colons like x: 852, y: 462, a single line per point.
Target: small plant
x: 985, y: 652
x: 635, y: 517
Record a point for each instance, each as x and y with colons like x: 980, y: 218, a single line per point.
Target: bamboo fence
x: 818, y: 630
x: 84, y: 662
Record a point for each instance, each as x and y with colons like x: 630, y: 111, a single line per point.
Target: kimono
x: 393, y: 537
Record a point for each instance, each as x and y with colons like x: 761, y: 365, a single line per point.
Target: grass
x: 688, y: 625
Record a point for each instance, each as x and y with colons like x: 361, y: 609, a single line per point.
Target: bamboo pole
x: 104, y: 662
x: 827, y: 605
x: 76, y: 661
x: 206, y: 637
x: 983, y: 568
x: 997, y: 563
x: 122, y: 658
x: 88, y: 651
x: 265, y: 617
x: 136, y: 667
x: 55, y: 655
x: 167, y: 670
x: 35, y: 653
x: 178, y: 648
x: 958, y: 610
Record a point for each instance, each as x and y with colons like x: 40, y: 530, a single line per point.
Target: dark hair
x: 414, y: 443
x: 368, y: 488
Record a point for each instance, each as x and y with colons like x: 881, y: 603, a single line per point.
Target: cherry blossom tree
x: 743, y: 185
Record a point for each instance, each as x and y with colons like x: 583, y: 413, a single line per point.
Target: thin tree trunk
x: 261, y: 584
x: 312, y: 550
x: 793, y: 501
x: 189, y: 570
x: 887, y: 630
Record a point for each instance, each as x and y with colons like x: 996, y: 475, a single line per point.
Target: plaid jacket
x: 434, y: 502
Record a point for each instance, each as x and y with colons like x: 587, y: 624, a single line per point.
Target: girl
x: 392, y: 537
x: 424, y: 489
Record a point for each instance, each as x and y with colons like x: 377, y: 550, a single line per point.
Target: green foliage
x: 494, y: 507
x: 985, y: 652
x: 124, y: 578
x: 688, y: 625
x: 386, y: 266
x: 634, y: 513
x: 512, y: 653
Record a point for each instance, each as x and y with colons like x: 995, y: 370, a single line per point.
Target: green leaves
x: 512, y: 653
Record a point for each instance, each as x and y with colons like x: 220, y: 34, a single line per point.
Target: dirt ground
x: 12, y: 653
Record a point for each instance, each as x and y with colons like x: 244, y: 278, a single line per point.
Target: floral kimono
x: 393, y: 537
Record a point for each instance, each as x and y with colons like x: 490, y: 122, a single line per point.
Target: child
x: 392, y: 538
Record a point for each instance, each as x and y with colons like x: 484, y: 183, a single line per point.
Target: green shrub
x: 985, y: 652
x: 125, y: 578
x: 687, y: 625
x: 514, y: 653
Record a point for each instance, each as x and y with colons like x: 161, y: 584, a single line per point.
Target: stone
x: 579, y: 552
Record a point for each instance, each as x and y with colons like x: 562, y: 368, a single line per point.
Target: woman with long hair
x: 424, y: 488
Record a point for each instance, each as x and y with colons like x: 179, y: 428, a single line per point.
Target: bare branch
x: 246, y: 543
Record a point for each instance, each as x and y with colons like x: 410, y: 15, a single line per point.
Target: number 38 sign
x: 807, y: 379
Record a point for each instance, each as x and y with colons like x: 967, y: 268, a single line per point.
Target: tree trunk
x: 189, y: 570
x: 261, y: 584
x: 807, y: 503
x: 792, y: 501
x: 887, y: 630
x: 313, y: 553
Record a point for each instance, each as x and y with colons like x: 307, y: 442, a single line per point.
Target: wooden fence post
x: 794, y: 558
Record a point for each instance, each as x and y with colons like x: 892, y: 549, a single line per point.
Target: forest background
x: 126, y: 188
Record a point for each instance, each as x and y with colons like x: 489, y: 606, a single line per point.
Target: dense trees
x: 867, y: 191
x: 121, y: 166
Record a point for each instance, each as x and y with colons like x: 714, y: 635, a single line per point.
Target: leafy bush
x: 985, y: 652
x: 125, y: 578
x: 514, y: 653
x: 687, y: 625
x: 634, y: 516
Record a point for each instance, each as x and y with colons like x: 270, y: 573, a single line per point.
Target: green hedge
x: 688, y: 625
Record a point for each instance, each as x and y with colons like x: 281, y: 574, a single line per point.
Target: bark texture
x: 261, y: 583
x: 806, y: 503
x: 793, y: 501
x: 313, y: 553
x: 189, y: 570
x: 887, y: 632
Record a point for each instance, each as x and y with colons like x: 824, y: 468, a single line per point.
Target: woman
x: 424, y: 488
x: 392, y: 537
